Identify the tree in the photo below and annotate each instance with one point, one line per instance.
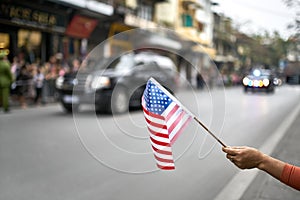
(296, 5)
(262, 49)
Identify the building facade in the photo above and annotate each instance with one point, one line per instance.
(38, 29)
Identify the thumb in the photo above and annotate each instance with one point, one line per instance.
(229, 150)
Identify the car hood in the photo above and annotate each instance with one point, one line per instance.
(111, 73)
(257, 77)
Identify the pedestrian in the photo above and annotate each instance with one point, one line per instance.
(22, 86)
(6, 79)
(75, 65)
(38, 80)
(200, 81)
(248, 158)
(50, 78)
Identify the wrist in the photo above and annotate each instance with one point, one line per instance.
(263, 162)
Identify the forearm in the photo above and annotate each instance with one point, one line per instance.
(248, 158)
(272, 166)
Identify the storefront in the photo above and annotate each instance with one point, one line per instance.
(36, 30)
(31, 31)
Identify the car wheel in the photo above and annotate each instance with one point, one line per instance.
(119, 101)
(70, 108)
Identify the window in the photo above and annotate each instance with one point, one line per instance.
(145, 12)
(4, 41)
(187, 20)
(26, 37)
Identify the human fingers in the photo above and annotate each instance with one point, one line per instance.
(230, 157)
(229, 150)
(238, 147)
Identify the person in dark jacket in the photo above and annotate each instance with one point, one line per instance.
(6, 79)
(22, 86)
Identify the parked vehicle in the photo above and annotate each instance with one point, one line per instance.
(259, 80)
(115, 85)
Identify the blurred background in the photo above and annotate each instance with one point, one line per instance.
(56, 47)
(236, 36)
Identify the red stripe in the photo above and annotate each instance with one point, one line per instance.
(170, 114)
(163, 159)
(159, 142)
(175, 123)
(166, 167)
(152, 114)
(180, 130)
(156, 124)
(161, 151)
(158, 134)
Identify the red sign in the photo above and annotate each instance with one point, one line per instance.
(81, 27)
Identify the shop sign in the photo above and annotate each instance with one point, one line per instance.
(31, 17)
(81, 27)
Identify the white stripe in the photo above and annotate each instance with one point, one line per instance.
(161, 139)
(168, 109)
(160, 147)
(163, 156)
(178, 126)
(154, 119)
(164, 164)
(156, 129)
(174, 117)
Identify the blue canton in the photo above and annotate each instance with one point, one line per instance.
(156, 100)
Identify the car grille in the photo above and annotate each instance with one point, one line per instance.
(77, 83)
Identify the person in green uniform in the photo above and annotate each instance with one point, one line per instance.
(6, 79)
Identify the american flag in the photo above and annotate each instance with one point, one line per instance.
(166, 118)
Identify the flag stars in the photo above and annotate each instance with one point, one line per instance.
(157, 100)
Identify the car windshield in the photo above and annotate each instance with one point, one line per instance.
(261, 73)
(123, 63)
(127, 61)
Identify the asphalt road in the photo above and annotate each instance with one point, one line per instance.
(46, 154)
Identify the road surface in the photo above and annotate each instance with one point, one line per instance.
(46, 154)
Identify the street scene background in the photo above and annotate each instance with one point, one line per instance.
(56, 142)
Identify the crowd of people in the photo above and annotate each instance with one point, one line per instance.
(34, 83)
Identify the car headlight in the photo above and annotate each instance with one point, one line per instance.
(59, 82)
(246, 81)
(266, 82)
(100, 82)
(256, 83)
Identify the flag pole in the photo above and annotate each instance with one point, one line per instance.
(213, 135)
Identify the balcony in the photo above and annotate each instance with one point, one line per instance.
(191, 4)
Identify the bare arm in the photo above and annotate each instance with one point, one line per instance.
(248, 158)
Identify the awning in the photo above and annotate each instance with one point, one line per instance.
(92, 5)
(81, 27)
(202, 49)
(192, 4)
(189, 33)
(225, 59)
(163, 42)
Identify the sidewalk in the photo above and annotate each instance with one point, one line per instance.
(265, 187)
(15, 104)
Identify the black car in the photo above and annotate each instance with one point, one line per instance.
(115, 85)
(259, 80)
